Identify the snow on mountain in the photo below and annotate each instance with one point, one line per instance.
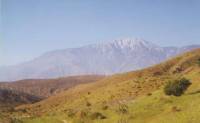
(105, 58)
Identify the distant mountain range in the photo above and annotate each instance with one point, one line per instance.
(106, 58)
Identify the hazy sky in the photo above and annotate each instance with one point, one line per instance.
(32, 27)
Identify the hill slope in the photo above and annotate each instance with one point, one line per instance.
(9, 99)
(46, 87)
(130, 97)
(30, 91)
(106, 58)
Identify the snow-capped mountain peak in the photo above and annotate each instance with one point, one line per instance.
(127, 43)
(132, 43)
(106, 58)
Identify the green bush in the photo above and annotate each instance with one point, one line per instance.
(177, 87)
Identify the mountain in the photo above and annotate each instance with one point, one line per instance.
(105, 58)
(126, 98)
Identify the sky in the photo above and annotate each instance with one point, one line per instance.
(29, 28)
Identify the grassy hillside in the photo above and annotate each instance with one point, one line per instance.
(46, 87)
(11, 98)
(134, 97)
(30, 91)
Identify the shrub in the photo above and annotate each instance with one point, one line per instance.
(97, 115)
(15, 121)
(175, 109)
(71, 113)
(123, 109)
(89, 93)
(177, 87)
(88, 104)
(105, 107)
(198, 61)
(123, 120)
(82, 114)
(149, 94)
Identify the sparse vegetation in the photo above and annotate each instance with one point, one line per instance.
(105, 107)
(123, 120)
(15, 121)
(175, 109)
(122, 109)
(97, 115)
(47, 87)
(149, 94)
(71, 113)
(177, 87)
(88, 104)
(82, 114)
(198, 62)
(89, 93)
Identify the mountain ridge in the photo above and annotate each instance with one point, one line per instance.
(104, 58)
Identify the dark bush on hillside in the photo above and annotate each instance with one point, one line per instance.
(177, 87)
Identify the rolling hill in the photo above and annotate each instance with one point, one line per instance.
(125, 98)
(14, 97)
(30, 91)
(9, 99)
(106, 58)
(44, 88)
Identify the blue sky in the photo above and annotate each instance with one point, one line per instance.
(32, 27)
